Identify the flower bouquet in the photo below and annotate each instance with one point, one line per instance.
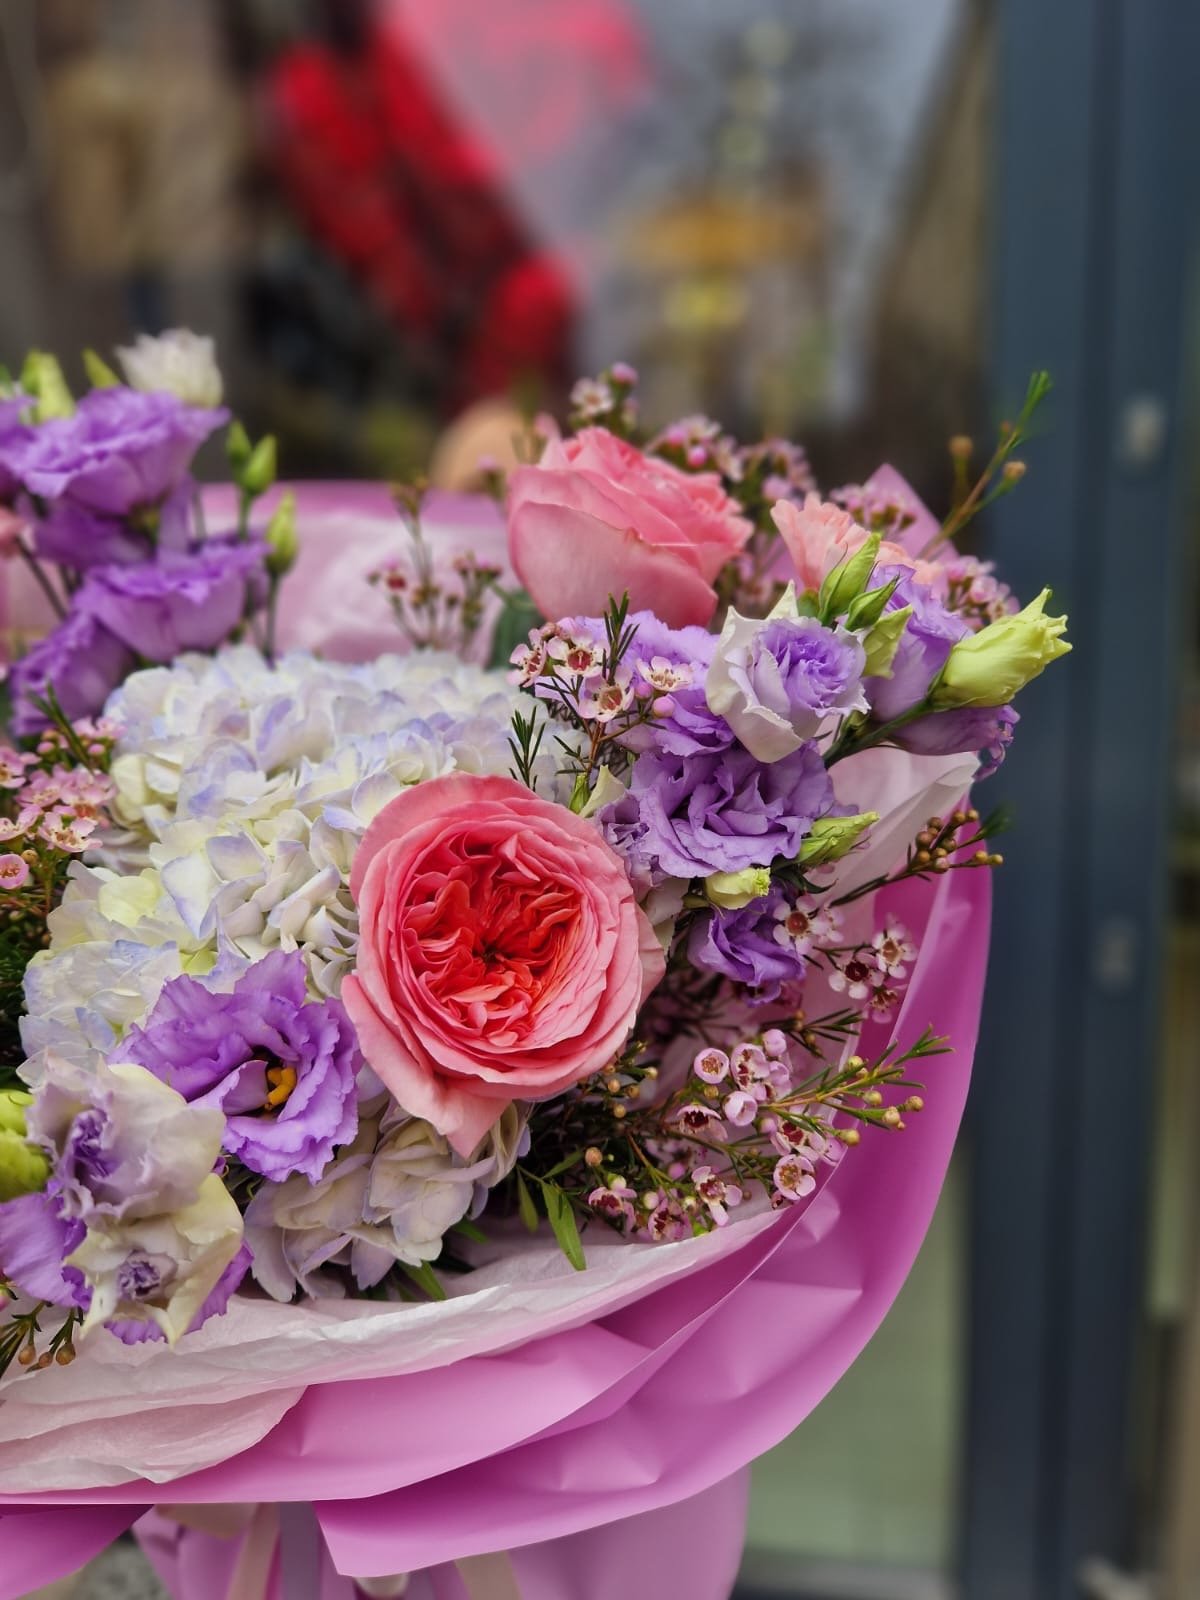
(461, 1095)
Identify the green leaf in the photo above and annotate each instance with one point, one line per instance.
(562, 1166)
(517, 619)
(469, 1230)
(566, 1229)
(425, 1278)
(526, 1206)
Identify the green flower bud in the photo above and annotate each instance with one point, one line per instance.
(866, 611)
(258, 474)
(42, 377)
(237, 446)
(12, 1110)
(848, 579)
(883, 641)
(23, 1168)
(830, 838)
(991, 666)
(100, 374)
(730, 891)
(283, 541)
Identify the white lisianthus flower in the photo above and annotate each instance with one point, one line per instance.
(161, 1269)
(177, 362)
(390, 1196)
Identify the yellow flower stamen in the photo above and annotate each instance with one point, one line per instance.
(282, 1081)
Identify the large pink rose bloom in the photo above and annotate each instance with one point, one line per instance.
(502, 954)
(597, 517)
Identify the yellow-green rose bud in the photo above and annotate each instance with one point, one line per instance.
(23, 1168)
(991, 666)
(730, 891)
(830, 838)
(283, 541)
(883, 641)
(42, 377)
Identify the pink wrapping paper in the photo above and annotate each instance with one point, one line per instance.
(655, 1403)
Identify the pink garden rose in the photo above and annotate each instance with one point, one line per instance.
(502, 954)
(597, 517)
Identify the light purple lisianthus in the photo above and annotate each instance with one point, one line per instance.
(775, 681)
(121, 451)
(688, 817)
(280, 1067)
(929, 636)
(183, 602)
(144, 1277)
(744, 945)
(987, 729)
(80, 659)
(35, 1240)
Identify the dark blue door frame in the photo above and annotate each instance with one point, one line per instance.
(1097, 212)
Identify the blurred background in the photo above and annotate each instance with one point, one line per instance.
(859, 223)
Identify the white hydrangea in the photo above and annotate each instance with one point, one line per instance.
(244, 790)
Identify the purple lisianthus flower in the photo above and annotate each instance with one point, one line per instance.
(688, 817)
(121, 451)
(987, 729)
(35, 1240)
(143, 1276)
(76, 536)
(280, 1067)
(744, 945)
(14, 437)
(80, 659)
(183, 602)
(777, 680)
(929, 635)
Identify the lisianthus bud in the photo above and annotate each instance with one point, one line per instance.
(283, 541)
(730, 891)
(883, 641)
(100, 374)
(830, 838)
(23, 1168)
(849, 579)
(989, 667)
(258, 474)
(42, 377)
(237, 446)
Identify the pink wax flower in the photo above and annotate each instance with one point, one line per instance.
(818, 535)
(502, 954)
(14, 872)
(597, 517)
